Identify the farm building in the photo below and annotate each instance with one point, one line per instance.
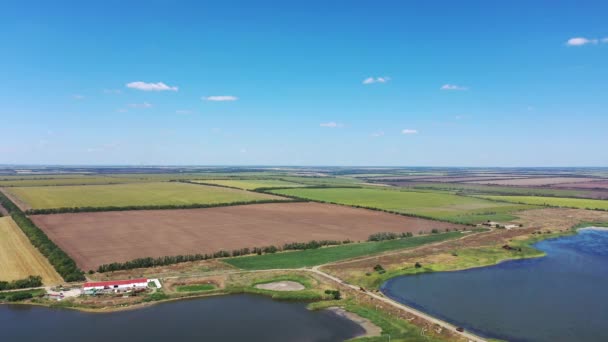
(117, 285)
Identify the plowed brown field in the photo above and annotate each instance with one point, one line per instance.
(99, 238)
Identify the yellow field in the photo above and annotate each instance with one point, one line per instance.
(19, 259)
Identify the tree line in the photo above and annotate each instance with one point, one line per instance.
(63, 264)
(176, 259)
(146, 207)
(31, 281)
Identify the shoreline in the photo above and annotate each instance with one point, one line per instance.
(604, 229)
(370, 329)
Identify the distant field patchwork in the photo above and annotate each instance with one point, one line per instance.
(439, 205)
(553, 201)
(92, 239)
(138, 194)
(19, 259)
(251, 184)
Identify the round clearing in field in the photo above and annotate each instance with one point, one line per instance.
(281, 286)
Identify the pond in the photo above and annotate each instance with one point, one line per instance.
(560, 297)
(226, 318)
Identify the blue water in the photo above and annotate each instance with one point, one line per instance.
(235, 318)
(560, 297)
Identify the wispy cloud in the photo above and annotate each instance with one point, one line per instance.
(140, 105)
(331, 124)
(580, 41)
(183, 111)
(112, 91)
(409, 131)
(453, 87)
(78, 97)
(160, 86)
(220, 98)
(372, 80)
(377, 134)
(121, 110)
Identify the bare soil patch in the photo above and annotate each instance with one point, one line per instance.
(286, 285)
(93, 239)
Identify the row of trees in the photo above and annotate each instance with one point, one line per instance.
(145, 207)
(176, 259)
(388, 236)
(31, 281)
(65, 266)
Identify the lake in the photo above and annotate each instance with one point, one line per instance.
(225, 318)
(560, 297)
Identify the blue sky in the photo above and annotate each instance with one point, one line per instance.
(525, 83)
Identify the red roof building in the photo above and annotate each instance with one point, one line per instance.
(116, 284)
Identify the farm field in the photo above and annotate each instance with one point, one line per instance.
(19, 259)
(602, 184)
(85, 180)
(120, 195)
(538, 181)
(553, 201)
(251, 184)
(92, 239)
(491, 189)
(437, 205)
(312, 257)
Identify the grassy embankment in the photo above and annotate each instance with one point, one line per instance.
(465, 258)
(139, 194)
(577, 203)
(312, 257)
(399, 330)
(436, 205)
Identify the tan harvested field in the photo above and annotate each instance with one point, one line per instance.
(532, 181)
(93, 239)
(602, 184)
(19, 259)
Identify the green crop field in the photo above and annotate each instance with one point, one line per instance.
(196, 288)
(493, 189)
(437, 205)
(137, 194)
(251, 184)
(85, 180)
(312, 257)
(553, 201)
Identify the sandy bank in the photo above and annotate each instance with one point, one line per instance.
(370, 328)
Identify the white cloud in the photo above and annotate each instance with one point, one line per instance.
(409, 131)
(220, 98)
(377, 134)
(77, 97)
(182, 111)
(331, 124)
(243, 150)
(140, 105)
(453, 87)
(160, 86)
(121, 110)
(372, 80)
(580, 41)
